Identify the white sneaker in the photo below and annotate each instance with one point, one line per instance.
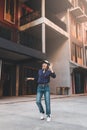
(48, 118)
(42, 116)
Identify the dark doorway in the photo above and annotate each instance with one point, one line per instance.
(27, 87)
(9, 79)
(79, 82)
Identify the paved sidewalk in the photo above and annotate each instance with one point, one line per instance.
(67, 114)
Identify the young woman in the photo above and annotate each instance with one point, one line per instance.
(43, 88)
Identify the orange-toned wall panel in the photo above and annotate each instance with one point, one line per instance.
(4, 22)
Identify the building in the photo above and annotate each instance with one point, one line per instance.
(78, 34)
(31, 31)
(17, 59)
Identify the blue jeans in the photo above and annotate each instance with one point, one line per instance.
(43, 90)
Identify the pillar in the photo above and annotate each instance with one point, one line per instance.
(17, 80)
(0, 79)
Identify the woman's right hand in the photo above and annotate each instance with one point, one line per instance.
(30, 78)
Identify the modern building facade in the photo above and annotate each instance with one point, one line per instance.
(31, 31)
(77, 31)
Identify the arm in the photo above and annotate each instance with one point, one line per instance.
(32, 78)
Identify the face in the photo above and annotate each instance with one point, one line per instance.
(44, 66)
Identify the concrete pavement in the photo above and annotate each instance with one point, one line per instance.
(67, 114)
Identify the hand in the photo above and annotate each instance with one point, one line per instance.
(30, 78)
(51, 67)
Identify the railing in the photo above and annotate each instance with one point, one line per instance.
(24, 39)
(30, 17)
(35, 15)
(30, 41)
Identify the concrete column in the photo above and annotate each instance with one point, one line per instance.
(69, 32)
(84, 56)
(43, 8)
(83, 40)
(19, 15)
(17, 80)
(0, 68)
(77, 3)
(0, 78)
(43, 28)
(43, 39)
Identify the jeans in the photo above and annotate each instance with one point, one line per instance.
(43, 90)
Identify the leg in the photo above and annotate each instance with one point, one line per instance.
(38, 100)
(47, 100)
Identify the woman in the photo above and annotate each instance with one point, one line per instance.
(44, 75)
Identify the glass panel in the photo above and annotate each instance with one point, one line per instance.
(5, 33)
(86, 56)
(79, 31)
(79, 53)
(85, 37)
(73, 55)
(73, 27)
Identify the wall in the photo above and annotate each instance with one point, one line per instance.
(60, 59)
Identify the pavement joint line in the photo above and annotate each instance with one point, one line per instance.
(34, 99)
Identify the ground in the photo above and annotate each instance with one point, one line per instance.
(68, 113)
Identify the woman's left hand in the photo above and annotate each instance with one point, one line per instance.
(51, 67)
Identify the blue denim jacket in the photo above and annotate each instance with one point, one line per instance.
(44, 78)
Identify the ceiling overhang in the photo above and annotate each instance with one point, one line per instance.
(58, 5)
(13, 51)
(77, 11)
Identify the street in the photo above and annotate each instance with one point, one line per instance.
(68, 113)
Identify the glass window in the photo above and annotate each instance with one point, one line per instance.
(79, 51)
(9, 12)
(73, 27)
(86, 56)
(85, 37)
(79, 54)
(73, 52)
(5, 33)
(76, 53)
(79, 32)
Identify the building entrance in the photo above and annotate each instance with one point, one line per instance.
(79, 82)
(27, 87)
(8, 79)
